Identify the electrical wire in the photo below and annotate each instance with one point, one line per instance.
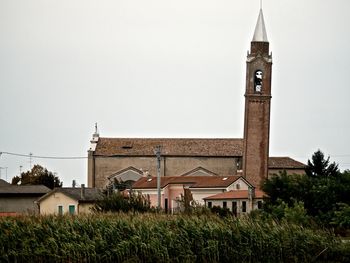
(44, 157)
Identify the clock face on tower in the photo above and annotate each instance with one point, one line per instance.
(258, 77)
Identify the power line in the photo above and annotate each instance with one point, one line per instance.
(44, 157)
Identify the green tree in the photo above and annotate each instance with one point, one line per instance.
(319, 191)
(319, 167)
(36, 176)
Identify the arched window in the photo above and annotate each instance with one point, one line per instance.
(258, 81)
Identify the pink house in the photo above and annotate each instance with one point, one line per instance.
(201, 187)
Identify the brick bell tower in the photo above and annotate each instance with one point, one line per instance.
(257, 106)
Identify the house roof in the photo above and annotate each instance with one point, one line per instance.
(91, 194)
(4, 183)
(170, 147)
(235, 194)
(24, 190)
(285, 163)
(192, 181)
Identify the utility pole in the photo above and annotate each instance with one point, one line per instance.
(30, 160)
(158, 154)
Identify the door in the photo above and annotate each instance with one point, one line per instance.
(72, 209)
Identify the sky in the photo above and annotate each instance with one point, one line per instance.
(164, 68)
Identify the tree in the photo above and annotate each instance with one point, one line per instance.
(38, 175)
(319, 191)
(320, 167)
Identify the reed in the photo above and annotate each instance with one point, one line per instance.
(163, 238)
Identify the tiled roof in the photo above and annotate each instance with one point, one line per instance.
(285, 163)
(24, 189)
(91, 194)
(170, 147)
(235, 194)
(192, 181)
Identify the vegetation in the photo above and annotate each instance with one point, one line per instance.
(124, 201)
(322, 195)
(163, 238)
(38, 175)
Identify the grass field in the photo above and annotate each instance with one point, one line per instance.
(163, 238)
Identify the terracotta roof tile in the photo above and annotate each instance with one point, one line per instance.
(192, 181)
(235, 194)
(285, 163)
(170, 147)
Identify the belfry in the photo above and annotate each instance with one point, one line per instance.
(257, 106)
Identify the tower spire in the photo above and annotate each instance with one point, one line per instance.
(260, 30)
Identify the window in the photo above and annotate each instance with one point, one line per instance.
(224, 204)
(209, 204)
(60, 210)
(72, 209)
(244, 206)
(238, 186)
(259, 204)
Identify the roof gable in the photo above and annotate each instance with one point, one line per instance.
(199, 171)
(130, 173)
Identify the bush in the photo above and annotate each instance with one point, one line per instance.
(123, 202)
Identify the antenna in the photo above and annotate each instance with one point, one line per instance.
(260, 4)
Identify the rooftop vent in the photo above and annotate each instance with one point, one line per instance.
(127, 145)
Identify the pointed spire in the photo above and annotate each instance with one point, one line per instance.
(260, 30)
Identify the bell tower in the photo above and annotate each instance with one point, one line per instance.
(257, 106)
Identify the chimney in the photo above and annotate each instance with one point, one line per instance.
(82, 192)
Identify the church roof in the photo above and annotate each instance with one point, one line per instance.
(170, 147)
(260, 30)
(192, 181)
(285, 163)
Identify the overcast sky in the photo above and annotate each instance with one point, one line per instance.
(163, 68)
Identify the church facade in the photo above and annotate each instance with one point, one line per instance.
(129, 159)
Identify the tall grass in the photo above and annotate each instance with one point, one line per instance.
(162, 238)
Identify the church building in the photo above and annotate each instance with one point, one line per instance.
(131, 159)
